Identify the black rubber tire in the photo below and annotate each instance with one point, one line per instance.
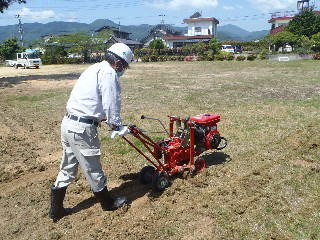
(200, 165)
(146, 174)
(224, 145)
(160, 181)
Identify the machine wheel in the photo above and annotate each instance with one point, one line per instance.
(200, 165)
(146, 174)
(37, 67)
(223, 144)
(160, 181)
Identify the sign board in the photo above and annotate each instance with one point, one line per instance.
(284, 59)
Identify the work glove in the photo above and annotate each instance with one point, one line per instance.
(120, 131)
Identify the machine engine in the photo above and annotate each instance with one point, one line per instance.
(206, 132)
(176, 149)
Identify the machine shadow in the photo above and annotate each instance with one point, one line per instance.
(216, 158)
(133, 189)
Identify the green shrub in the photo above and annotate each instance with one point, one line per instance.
(173, 58)
(251, 57)
(210, 57)
(180, 58)
(241, 58)
(230, 57)
(145, 59)
(201, 58)
(220, 57)
(153, 58)
(316, 56)
(263, 55)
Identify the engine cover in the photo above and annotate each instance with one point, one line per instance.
(206, 119)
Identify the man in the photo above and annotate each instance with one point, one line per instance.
(94, 98)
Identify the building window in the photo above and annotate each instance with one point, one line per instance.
(283, 24)
(198, 29)
(177, 44)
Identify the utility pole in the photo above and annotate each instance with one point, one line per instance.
(162, 18)
(20, 30)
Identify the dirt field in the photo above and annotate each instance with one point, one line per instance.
(265, 185)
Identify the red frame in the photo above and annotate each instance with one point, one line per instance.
(151, 145)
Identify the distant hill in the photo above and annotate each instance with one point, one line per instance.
(34, 31)
(232, 32)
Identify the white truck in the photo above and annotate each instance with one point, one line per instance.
(227, 48)
(26, 60)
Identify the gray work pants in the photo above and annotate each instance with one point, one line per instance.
(81, 146)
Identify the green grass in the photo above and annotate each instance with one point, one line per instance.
(268, 188)
(35, 98)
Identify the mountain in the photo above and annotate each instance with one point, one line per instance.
(34, 31)
(232, 32)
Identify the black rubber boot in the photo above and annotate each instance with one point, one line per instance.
(109, 203)
(57, 211)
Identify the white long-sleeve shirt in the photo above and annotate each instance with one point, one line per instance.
(96, 94)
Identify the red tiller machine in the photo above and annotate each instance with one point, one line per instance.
(176, 154)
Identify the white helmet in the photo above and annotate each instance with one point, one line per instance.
(122, 51)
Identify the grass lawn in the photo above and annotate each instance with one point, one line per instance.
(264, 185)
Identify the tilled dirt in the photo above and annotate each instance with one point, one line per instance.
(263, 186)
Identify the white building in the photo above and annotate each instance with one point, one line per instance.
(200, 29)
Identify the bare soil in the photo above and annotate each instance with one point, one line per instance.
(265, 185)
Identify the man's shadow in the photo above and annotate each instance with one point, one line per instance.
(133, 189)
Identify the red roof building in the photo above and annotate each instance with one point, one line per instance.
(278, 22)
(200, 29)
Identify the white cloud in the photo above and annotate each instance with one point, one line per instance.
(274, 4)
(175, 4)
(229, 8)
(36, 15)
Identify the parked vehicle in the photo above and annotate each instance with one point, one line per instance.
(26, 60)
(10, 63)
(237, 49)
(227, 48)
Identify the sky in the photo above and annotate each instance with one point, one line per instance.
(252, 15)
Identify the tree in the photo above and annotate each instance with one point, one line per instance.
(284, 38)
(316, 42)
(54, 54)
(99, 46)
(304, 44)
(77, 43)
(9, 48)
(199, 48)
(157, 44)
(214, 46)
(4, 4)
(305, 24)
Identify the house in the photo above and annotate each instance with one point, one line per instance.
(131, 43)
(200, 29)
(159, 32)
(120, 37)
(280, 20)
